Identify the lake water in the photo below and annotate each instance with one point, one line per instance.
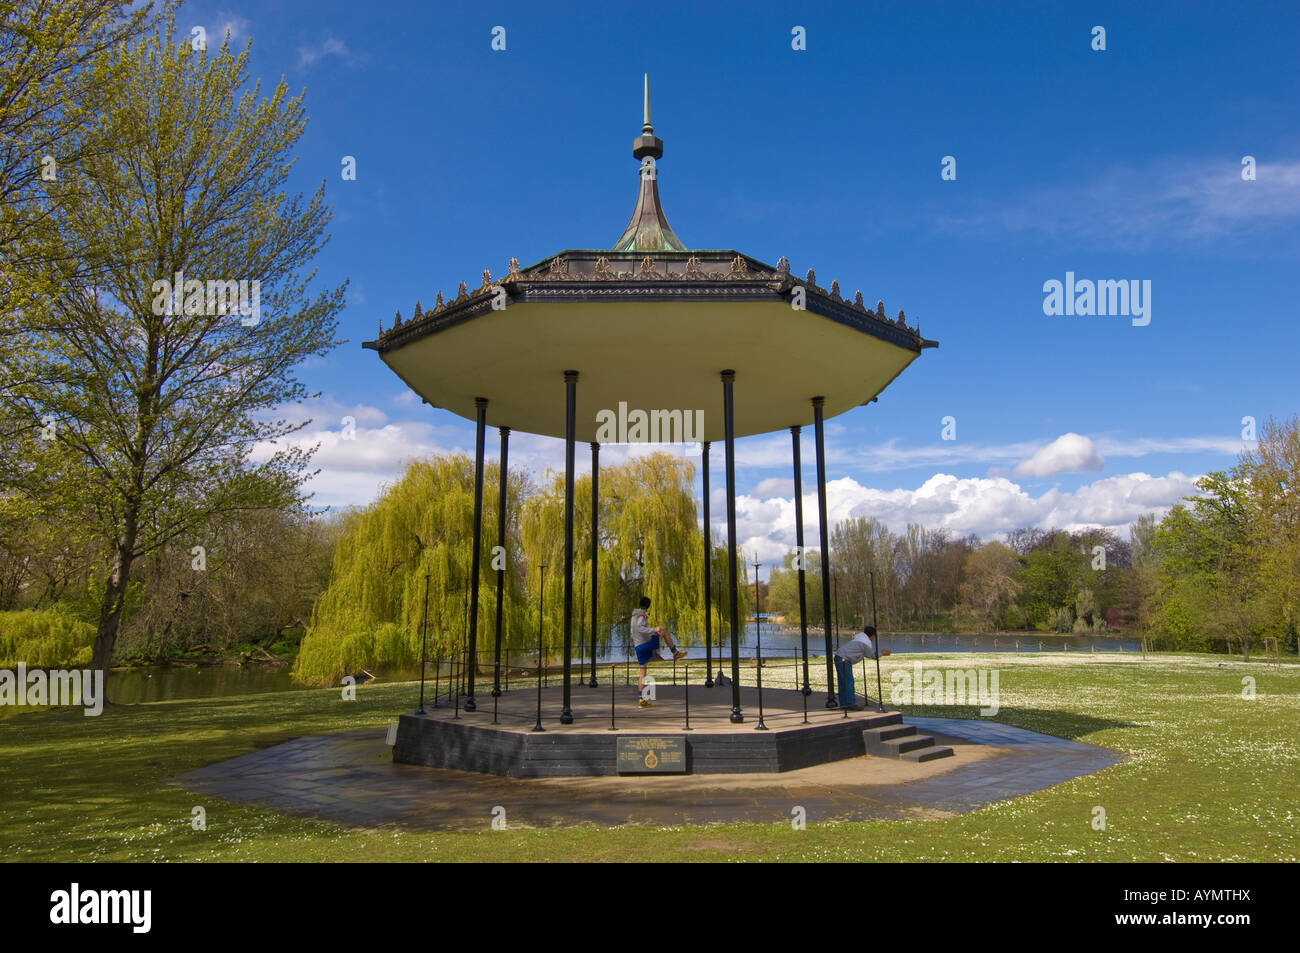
(164, 682)
(785, 643)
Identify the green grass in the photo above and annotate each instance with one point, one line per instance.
(1211, 777)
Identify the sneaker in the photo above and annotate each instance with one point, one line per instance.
(643, 703)
(678, 653)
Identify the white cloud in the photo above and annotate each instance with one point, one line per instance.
(773, 452)
(980, 505)
(1167, 202)
(352, 472)
(308, 55)
(1069, 452)
(230, 23)
(774, 486)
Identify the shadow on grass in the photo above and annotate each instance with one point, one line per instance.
(1060, 724)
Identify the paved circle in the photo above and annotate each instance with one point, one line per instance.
(349, 778)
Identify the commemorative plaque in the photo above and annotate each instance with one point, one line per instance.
(651, 755)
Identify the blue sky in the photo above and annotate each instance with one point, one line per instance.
(1117, 164)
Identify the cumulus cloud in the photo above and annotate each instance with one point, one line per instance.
(774, 486)
(357, 458)
(987, 507)
(1069, 452)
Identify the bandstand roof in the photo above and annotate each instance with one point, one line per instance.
(651, 325)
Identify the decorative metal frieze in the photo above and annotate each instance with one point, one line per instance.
(695, 270)
(611, 276)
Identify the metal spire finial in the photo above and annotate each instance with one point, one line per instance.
(647, 144)
(648, 230)
(646, 128)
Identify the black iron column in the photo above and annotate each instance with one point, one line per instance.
(803, 556)
(708, 563)
(480, 405)
(729, 423)
(817, 403)
(570, 425)
(501, 556)
(595, 549)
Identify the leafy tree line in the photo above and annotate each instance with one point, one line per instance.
(247, 580)
(1222, 569)
(927, 580)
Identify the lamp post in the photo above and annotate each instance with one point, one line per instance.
(880, 694)
(501, 565)
(424, 640)
(801, 560)
(595, 552)
(708, 586)
(819, 404)
(541, 614)
(471, 659)
(835, 584)
(733, 586)
(571, 398)
(758, 651)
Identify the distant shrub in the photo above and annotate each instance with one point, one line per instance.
(1062, 620)
(44, 638)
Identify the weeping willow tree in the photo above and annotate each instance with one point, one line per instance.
(370, 613)
(650, 543)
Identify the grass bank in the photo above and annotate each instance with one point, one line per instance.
(1210, 777)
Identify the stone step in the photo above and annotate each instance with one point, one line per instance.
(928, 754)
(912, 743)
(878, 720)
(889, 732)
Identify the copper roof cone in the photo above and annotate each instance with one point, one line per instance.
(649, 229)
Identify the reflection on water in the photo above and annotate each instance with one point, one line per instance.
(154, 683)
(784, 643)
(163, 682)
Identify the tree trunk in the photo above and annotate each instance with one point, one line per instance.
(110, 613)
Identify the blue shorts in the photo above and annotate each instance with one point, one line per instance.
(646, 649)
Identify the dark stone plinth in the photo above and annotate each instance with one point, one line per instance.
(588, 748)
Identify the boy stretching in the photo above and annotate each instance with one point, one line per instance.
(646, 641)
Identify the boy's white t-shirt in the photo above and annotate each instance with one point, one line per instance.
(857, 648)
(641, 628)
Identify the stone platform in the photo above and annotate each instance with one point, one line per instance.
(349, 778)
(445, 737)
